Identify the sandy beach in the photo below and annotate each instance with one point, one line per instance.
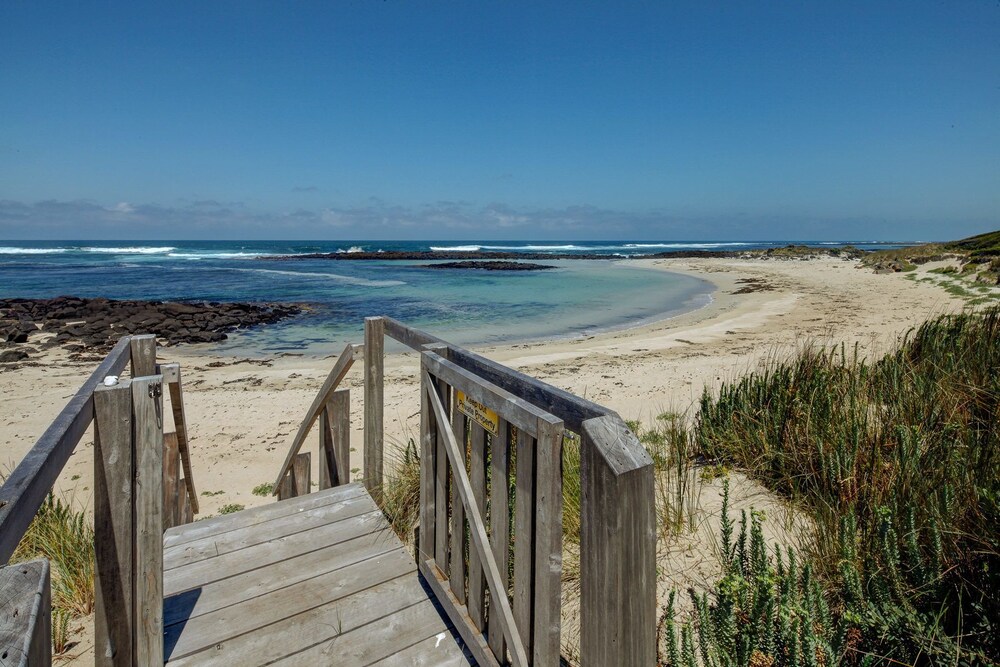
(243, 413)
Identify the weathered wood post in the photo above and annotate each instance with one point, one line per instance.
(113, 529)
(147, 406)
(143, 350)
(26, 614)
(617, 547)
(335, 441)
(374, 370)
(297, 481)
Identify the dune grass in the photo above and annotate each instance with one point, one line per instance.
(65, 536)
(898, 462)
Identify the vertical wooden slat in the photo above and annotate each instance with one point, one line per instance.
(617, 546)
(374, 372)
(143, 350)
(340, 408)
(302, 474)
(456, 575)
(428, 446)
(335, 440)
(185, 513)
(286, 489)
(499, 531)
(147, 405)
(524, 537)
(327, 453)
(113, 539)
(548, 542)
(171, 479)
(477, 477)
(441, 488)
(180, 424)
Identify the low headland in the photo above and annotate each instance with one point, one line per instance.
(825, 435)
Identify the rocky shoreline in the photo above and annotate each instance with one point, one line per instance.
(96, 324)
(784, 252)
(492, 265)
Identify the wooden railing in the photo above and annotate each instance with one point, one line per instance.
(332, 408)
(460, 545)
(490, 440)
(137, 495)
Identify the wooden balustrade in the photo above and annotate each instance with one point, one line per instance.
(468, 451)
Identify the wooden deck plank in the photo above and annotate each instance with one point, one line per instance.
(304, 630)
(251, 616)
(257, 515)
(249, 585)
(249, 536)
(263, 555)
(380, 639)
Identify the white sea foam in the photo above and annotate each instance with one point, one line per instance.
(683, 245)
(131, 250)
(457, 248)
(7, 250)
(347, 280)
(351, 250)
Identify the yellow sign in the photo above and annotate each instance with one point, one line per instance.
(479, 412)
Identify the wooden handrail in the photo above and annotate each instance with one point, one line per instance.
(25, 489)
(333, 380)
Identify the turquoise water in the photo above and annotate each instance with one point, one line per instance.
(464, 306)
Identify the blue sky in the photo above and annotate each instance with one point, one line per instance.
(506, 120)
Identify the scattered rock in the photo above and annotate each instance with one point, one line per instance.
(10, 356)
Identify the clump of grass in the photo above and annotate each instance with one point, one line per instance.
(899, 463)
(65, 537)
(231, 508)
(400, 498)
(263, 490)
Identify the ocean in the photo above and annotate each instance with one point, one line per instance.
(464, 306)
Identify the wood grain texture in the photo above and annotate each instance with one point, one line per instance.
(428, 470)
(441, 500)
(302, 474)
(524, 536)
(176, 390)
(335, 441)
(477, 478)
(548, 542)
(617, 547)
(373, 431)
(456, 564)
(25, 615)
(143, 355)
(29, 483)
(113, 526)
(171, 481)
(147, 425)
(499, 528)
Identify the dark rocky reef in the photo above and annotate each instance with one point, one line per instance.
(492, 265)
(81, 324)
